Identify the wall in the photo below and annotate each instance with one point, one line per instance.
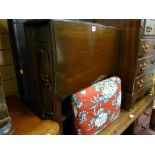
(6, 61)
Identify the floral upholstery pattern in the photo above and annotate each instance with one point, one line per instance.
(97, 106)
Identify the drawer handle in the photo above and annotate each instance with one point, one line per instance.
(148, 29)
(143, 66)
(145, 47)
(140, 83)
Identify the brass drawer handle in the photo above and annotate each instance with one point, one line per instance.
(140, 83)
(148, 29)
(143, 66)
(145, 47)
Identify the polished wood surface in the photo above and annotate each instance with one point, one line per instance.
(83, 54)
(126, 118)
(66, 56)
(109, 22)
(136, 58)
(26, 122)
(128, 53)
(80, 52)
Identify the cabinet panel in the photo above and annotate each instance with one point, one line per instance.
(84, 52)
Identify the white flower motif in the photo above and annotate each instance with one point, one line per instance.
(79, 131)
(82, 117)
(83, 92)
(101, 119)
(113, 116)
(114, 102)
(109, 89)
(119, 98)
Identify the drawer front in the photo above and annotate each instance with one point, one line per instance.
(147, 46)
(141, 128)
(145, 64)
(142, 123)
(141, 81)
(149, 27)
(147, 115)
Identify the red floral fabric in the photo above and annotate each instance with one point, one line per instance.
(97, 106)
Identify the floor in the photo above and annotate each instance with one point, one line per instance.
(26, 122)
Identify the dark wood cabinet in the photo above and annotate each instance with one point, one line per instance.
(75, 54)
(66, 56)
(136, 59)
(59, 57)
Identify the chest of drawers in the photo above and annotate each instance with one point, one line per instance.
(137, 59)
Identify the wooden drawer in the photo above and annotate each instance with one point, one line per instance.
(145, 64)
(142, 123)
(147, 46)
(139, 129)
(149, 27)
(141, 81)
(147, 114)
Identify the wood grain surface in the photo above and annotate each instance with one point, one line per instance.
(125, 120)
(26, 122)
